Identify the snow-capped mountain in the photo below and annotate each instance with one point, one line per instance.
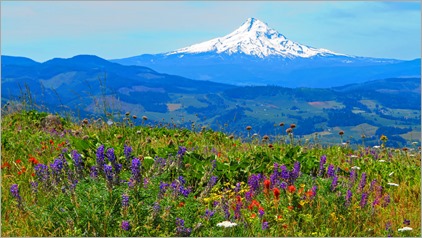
(255, 38)
(255, 54)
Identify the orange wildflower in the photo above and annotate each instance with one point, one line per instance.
(18, 161)
(181, 204)
(290, 207)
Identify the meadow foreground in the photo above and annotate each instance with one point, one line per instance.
(94, 178)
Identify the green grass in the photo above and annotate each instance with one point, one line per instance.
(92, 206)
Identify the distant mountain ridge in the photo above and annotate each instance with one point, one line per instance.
(89, 86)
(255, 54)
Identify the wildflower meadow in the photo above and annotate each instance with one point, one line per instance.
(97, 177)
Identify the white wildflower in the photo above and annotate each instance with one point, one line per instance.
(381, 160)
(393, 184)
(390, 173)
(406, 228)
(356, 167)
(226, 224)
(353, 156)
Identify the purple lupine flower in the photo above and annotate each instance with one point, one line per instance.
(182, 180)
(237, 213)
(73, 184)
(264, 225)
(314, 190)
(182, 151)
(261, 213)
(387, 200)
(322, 162)
(248, 195)
(276, 167)
(379, 191)
(34, 186)
(180, 228)
(283, 185)
(215, 203)
(362, 182)
(253, 182)
(274, 179)
(363, 199)
(209, 213)
(284, 172)
(156, 208)
(406, 222)
(77, 159)
(334, 183)
(117, 167)
(352, 177)
(295, 171)
(126, 225)
(56, 168)
(108, 171)
(160, 161)
(41, 171)
(330, 170)
(371, 187)
(348, 197)
(100, 156)
(57, 165)
(214, 164)
(163, 187)
(225, 206)
(213, 181)
(110, 155)
(125, 200)
(237, 188)
(136, 170)
(128, 152)
(14, 189)
(376, 202)
(94, 172)
(184, 191)
(131, 183)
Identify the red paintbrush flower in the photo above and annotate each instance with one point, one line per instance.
(276, 192)
(5, 165)
(267, 184)
(291, 188)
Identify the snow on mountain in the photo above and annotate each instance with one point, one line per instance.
(255, 38)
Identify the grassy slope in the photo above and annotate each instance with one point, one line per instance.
(23, 137)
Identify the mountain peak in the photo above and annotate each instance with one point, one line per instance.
(255, 38)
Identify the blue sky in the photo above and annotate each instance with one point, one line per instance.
(115, 29)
